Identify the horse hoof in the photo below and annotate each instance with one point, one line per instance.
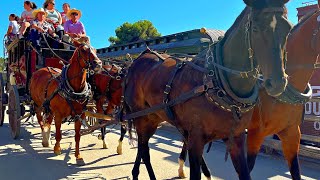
(57, 153)
(105, 146)
(181, 173)
(80, 162)
(119, 150)
(45, 144)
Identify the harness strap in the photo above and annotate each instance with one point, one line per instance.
(197, 91)
(304, 66)
(168, 88)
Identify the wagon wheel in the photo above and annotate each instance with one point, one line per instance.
(14, 111)
(3, 100)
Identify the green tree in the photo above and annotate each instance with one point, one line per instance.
(2, 64)
(128, 32)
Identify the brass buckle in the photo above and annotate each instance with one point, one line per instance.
(250, 51)
(244, 74)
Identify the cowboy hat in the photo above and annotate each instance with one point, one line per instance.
(35, 12)
(73, 11)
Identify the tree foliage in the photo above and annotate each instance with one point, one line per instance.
(128, 32)
(2, 64)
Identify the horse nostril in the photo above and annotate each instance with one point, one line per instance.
(275, 87)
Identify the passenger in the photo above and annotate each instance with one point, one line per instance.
(66, 8)
(54, 17)
(13, 28)
(26, 17)
(74, 29)
(39, 26)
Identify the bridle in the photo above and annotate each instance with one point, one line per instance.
(87, 61)
(315, 37)
(254, 70)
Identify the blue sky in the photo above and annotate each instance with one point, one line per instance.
(102, 17)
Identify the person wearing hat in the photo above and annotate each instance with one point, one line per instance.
(40, 25)
(73, 28)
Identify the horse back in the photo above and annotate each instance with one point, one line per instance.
(43, 82)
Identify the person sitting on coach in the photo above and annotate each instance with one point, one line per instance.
(13, 28)
(53, 17)
(74, 29)
(40, 26)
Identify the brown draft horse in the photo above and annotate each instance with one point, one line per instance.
(106, 86)
(199, 120)
(274, 117)
(61, 95)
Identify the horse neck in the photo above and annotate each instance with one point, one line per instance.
(235, 56)
(76, 76)
(116, 92)
(102, 82)
(301, 52)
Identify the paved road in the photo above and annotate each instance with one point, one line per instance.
(25, 158)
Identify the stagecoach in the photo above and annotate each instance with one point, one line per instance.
(22, 59)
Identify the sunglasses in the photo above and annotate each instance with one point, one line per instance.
(52, 3)
(75, 14)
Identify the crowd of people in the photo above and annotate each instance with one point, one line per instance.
(35, 24)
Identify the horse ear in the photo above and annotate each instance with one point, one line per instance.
(76, 43)
(285, 1)
(249, 2)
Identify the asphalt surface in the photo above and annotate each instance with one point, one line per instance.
(26, 159)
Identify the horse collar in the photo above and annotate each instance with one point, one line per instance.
(67, 90)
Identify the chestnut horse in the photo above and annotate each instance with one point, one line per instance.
(255, 41)
(106, 86)
(63, 95)
(272, 116)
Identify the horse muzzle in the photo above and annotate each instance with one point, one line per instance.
(97, 65)
(275, 87)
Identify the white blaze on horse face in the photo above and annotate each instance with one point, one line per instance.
(273, 23)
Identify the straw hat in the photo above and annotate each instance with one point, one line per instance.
(35, 12)
(73, 11)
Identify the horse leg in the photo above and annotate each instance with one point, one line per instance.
(103, 135)
(290, 139)
(123, 131)
(205, 169)
(144, 134)
(239, 160)
(254, 142)
(57, 122)
(77, 127)
(182, 160)
(45, 129)
(195, 150)
(99, 106)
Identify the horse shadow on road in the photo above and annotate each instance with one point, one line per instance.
(25, 158)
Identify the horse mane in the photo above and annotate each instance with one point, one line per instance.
(303, 20)
(236, 23)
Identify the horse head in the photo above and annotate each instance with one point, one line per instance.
(268, 30)
(87, 57)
